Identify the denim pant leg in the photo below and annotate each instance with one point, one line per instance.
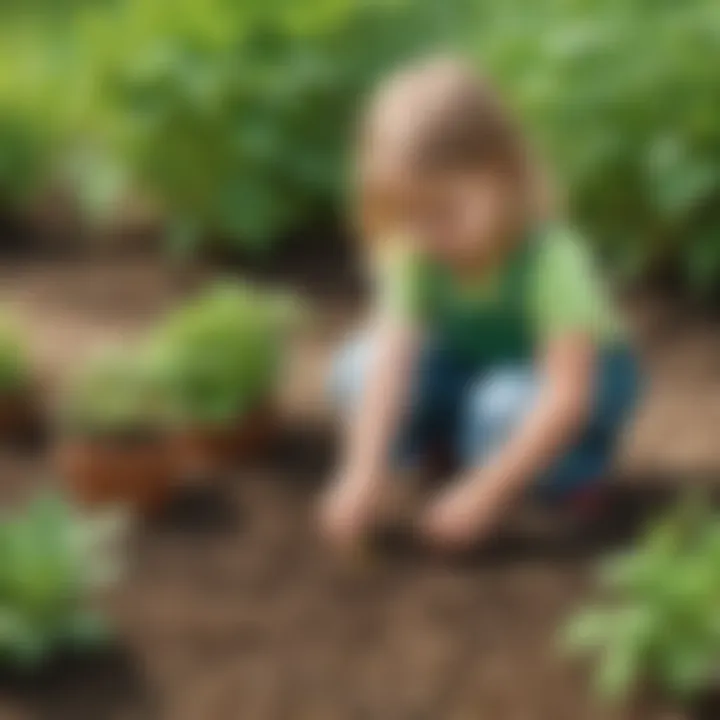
(500, 399)
(432, 411)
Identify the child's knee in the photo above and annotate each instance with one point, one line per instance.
(501, 399)
(348, 371)
(495, 407)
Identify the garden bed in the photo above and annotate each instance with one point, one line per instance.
(235, 610)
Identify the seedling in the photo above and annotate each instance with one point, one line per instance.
(53, 563)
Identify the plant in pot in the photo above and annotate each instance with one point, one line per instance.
(113, 446)
(19, 409)
(220, 356)
(658, 631)
(54, 563)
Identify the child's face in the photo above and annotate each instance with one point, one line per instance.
(458, 218)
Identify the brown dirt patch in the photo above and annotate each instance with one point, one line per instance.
(234, 609)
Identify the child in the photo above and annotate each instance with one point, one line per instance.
(490, 333)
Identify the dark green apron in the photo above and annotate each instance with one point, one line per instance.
(480, 331)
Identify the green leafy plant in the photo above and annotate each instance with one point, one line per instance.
(53, 564)
(234, 115)
(660, 624)
(233, 119)
(117, 393)
(219, 355)
(629, 131)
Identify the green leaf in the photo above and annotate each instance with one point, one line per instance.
(587, 630)
(220, 354)
(184, 238)
(702, 262)
(688, 669)
(21, 643)
(660, 621)
(51, 558)
(618, 673)
(86, 631)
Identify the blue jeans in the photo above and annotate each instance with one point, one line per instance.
(475, 412)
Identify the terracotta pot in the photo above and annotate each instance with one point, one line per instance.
(138, 473)
(202, 450)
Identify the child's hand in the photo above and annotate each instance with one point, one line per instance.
(458, 517)
(347, 510)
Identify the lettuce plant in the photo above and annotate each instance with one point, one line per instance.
(219, 355)
(53, 562)
(115, 394)
(660, 624)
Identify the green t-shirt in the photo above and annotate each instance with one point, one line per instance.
(548, 286)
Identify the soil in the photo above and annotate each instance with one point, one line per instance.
(233, 608)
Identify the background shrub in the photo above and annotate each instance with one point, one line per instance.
(234, 117)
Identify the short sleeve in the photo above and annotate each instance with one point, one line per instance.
(569, 293)
(400, 280)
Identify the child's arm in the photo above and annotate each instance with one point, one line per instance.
(475, 502)
(352, 498)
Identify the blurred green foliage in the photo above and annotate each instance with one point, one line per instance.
(210, 361)
(219, 355)
(235, 117)
(115, 394)
(659, 626)
(623, 96)
(53, 563)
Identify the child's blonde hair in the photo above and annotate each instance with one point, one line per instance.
(440, 115)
